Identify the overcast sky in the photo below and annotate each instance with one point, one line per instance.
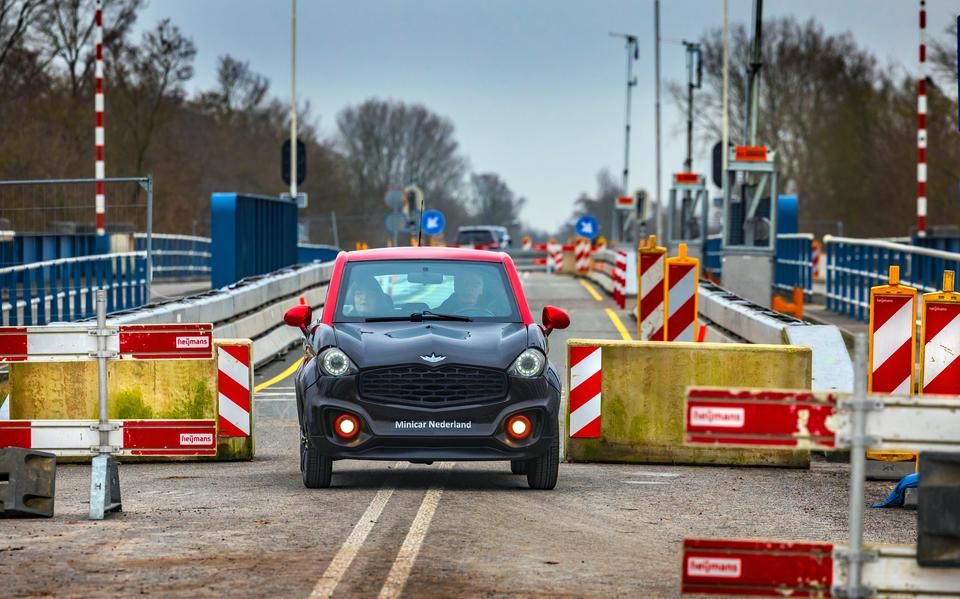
(534, 87)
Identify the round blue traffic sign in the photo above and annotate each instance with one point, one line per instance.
(588, 227)
(433, 222)
(394, 222)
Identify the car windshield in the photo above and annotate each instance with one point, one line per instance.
(427, 289)
(475, 236)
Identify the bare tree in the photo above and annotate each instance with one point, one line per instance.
(240, 90)
(66, 27)
(150, 80)
(15, 23)
(494, 202)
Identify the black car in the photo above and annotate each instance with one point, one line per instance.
(427, 354)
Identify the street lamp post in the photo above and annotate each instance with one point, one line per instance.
(633, 52)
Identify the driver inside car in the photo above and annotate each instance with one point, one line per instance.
(467, 289)
(368, 298)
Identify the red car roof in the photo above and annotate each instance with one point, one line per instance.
(426, 253)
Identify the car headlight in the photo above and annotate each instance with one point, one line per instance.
(529, 363)
(333, 362)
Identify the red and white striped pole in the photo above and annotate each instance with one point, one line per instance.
(922, 127)
(98, 132)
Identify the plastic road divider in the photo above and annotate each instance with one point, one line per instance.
(940, 332)
(682, 281)
(892, 354)
(651, 291)
(643, 386)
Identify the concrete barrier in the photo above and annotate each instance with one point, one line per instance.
(642, 390)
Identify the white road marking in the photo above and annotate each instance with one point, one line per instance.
(400, 572)
(662, 474)
(341, 561)
(645, 482)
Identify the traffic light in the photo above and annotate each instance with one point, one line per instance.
(301, 162)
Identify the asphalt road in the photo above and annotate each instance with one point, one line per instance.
(392, 529)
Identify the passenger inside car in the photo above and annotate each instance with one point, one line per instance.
(367, 298)
(467, 291)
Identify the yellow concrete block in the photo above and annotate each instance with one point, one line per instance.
(643, 388)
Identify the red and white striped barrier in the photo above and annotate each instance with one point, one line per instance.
(940, 331)
(78, 438)
(68, 343)
(681, 281)
(234, 385)
(526, 244)
(620, 279)
(582, 251)
(652, 263)
(816, 256)
(99, 157)
(586, 378)
(554, 257)
(893, 312)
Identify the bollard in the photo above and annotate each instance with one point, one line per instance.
(940, 332)
(651, 291)
(893, 331)
(104, 475)
(682, 278)
(27, 483)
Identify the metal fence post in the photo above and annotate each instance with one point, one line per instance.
(149, 187)
(104, 476)
(859, 407)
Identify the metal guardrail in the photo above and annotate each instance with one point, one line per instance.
(528, 260)
(180, 257)
(62, 290)
(855, 265)
(794, 266)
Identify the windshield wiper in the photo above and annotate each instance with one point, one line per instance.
(420, 317)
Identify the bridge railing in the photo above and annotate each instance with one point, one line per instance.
(855, 265)
(62, 290)
(179, 257)
(713, 257)
(794, 266)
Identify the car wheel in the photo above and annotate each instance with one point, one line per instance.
(518, 466)
(542, 471)
(316, 468)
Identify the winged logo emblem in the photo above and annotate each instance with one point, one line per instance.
(433, 358)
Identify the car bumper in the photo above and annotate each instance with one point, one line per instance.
(393, 431)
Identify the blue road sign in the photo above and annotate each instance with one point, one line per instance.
(588, 227)
(433, 222)
(394, 222)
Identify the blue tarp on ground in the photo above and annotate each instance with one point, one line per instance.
(899, 492)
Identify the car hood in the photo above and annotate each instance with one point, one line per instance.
(488, 344)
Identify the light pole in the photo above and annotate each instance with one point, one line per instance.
(633, 52)
(656, 46)
(293, 100)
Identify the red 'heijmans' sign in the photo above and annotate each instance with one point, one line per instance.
(742, 567)
(765, 418)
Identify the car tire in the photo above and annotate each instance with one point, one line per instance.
(542, 471)
(518, 466)
(317, 469)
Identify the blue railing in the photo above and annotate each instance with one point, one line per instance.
(309, 252)
(179, 257)
(713, 256)
(61, 290)
(794, 265)
(855, 265)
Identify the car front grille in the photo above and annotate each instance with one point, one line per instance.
(425, 386)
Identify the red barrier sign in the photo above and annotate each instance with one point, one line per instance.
(166, 341)
(751, 154)
(75, 342)
(686, 178)
(760, 418)
(774, 568)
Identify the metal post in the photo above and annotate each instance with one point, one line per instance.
(333, 224)
(753, 85)
(656, 45)
(857, 466)
(104, 476)
(632, 49)
(725, 125)
(293, 101)
(149, 186)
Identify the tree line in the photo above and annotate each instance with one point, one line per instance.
(226, 138)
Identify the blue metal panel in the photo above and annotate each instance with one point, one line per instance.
(787, 214)
(307, 253)
(251, 235)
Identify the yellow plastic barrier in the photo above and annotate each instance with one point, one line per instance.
(642, 389)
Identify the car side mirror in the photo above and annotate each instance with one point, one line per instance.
(554, 318)
(299, 316)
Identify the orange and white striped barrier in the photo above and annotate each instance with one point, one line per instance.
(651, 293)
(940, 331)
(816, 256)
(526, 243)
(585, 384)
(234, 384)
(582, 251)
(682, 278)
(893, 312)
